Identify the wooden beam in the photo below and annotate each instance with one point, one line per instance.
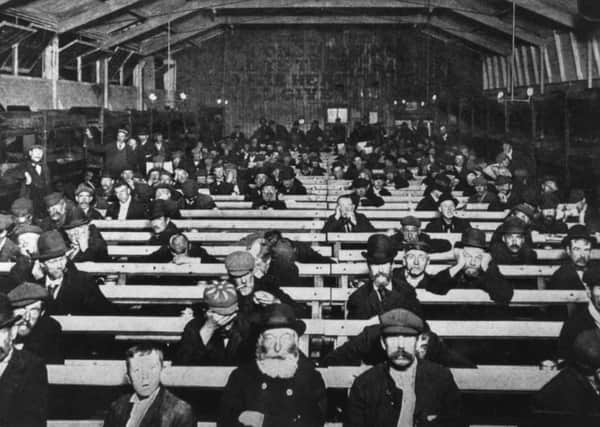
(94, 13)
(596, 51)
(546, 65)
(548, 11)
(576, 56)
(460, 31)
(535, 64)
(559, 54)
(525, 65)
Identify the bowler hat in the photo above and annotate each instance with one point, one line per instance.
(7, 318)
(472, 237)
(51, 245)
(578, 231)
(282, 316)
(441, 183)
(513, 225)
(447, 196)
(221, 298)
(75, 217)
(239, 263)
(380, 249)
(400, 321)
(27, 293)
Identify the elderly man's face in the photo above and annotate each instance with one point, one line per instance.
(260, 179)
(473, 259)
(57, 211)
(28, 243)
(84, 200)
(269, 193)
(244, 284)
(346, 207)
(159, 224)
(380, 271)
(416, 261)
(30, 314)
(144, 373)
(107, 184)
(79, 234)
(580, 252)
(447, 209)
(7, 336)
(55, 267)
(277, 352)
(400, 350)
(513, 241)
(123, 192)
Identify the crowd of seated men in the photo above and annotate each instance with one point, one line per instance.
(248, 321)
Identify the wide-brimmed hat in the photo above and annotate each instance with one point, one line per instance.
(282, 316)
(51, 245)
(578, 231)
(75, 217)
(7, 318)
(380, 249)
(472, 237)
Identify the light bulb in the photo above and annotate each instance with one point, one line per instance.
(530, 92)
(422, 103)
(152, 97)
(182, 96)
(434, 97)
(500, 95)
(219, 100)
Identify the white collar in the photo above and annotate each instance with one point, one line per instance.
(136, 399)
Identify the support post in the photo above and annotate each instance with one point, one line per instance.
(79, 71)
(567, 141)
(50, 68)
(15, 59)
(106, 82)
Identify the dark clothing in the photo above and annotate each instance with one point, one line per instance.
(167, 410)
(97, 250)
(41, 185)
(164, 236)
(375, 401)
(566, 277)
(203, 201)
(93, 214)
(486, 197)
(580, 321)
(136, 210)
(24, 391)
(456, 225)
(299, 401)
(115, 160)
(566, 400)
(44, 340)
(221, 188)
(9, 252)
(502, 255)
(552, 227)
(342, 225)
(296, 189)
(371, 199)
(260, 203)
(427, 203)
(513, 200)
(240, 348)
(435, 245)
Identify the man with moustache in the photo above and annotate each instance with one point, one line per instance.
(281, 387)
(403, 390)
(87, 243)
(410, 231)
(57, 207)
(513, 248)
(578, 246)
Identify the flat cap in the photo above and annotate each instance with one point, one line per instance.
(26, 228)
(27, 293)
(83, 188)
(410, 220)
(513, 225)
(21, 207)
(52, 199)
(221, 298)
(400, 321)
(525, 208)
(239, 263)
(480, 180)
(503, 180)
(6, 221)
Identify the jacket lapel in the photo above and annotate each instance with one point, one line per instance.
(153, 417)
(373, 299)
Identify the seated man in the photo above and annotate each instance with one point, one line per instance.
(150, 404)
(549, 224)
(571, 397)
(364, 193)
(162, 226)
(180, 251)
(513, 249)
(24, 379)
(193, 199)
(105, 194)
(289, 184)
(506, 197)
(447, 222)
(578, 245)
(37, 332)
(26, 267)
(57, 207)
(8, 249)
(22, 211)
(267, 197)
(281, 387)
(169, 198)
(346, 219)
(218, 335)
(584, 318)
(411, 232)
(403, 390)
(474, 269)
(86, 241)
(126, 207)
(220, 186)
(379, 186)
(84, 196)
(270, 266)
(482, 192)
(431, 199)
(379, 294)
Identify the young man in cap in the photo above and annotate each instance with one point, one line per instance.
(380, 293)
(289, 184)
(403, 390)
(364, 193)
(346, 219)
(410, 231)
(86, 240)
(578, 246)
(37, 180)
(447, 222)
(37, 332)
(219, 335)
(587, 317)
(267, 198)
(23, 377)
(220, 185)
(126, 207)
(117, 156)
(571, 398)
(8, 249)
(482, 192)
(84, 196)
(281, 387)
(150, 404)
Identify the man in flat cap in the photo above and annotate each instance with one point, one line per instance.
(289, 184)
(482, 192)
(86, 240)
(578, 245)
(447, 222)
(346, 219)
(403, 390)
(37, 332)
(23, 377)
(126, 206)
(506, 197)
(8, 249)
(218, 335)
(84, 196)
(281, 387)
(410, 231)
(193, 199)
(22, 211)
(571, 398)
(57, 207)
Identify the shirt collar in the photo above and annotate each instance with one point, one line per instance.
(135, 398)
(51, 283)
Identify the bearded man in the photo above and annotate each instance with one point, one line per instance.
(281, 387)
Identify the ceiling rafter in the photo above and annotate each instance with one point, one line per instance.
(551, 12)
(93, 14)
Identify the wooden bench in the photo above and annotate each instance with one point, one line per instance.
(208, 237)
(99, 423)
(216, 251)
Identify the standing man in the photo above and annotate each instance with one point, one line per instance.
(403, 391)
(281, 387)
(118, 156)
(23, 377)
(150, 404)
(38, 181)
